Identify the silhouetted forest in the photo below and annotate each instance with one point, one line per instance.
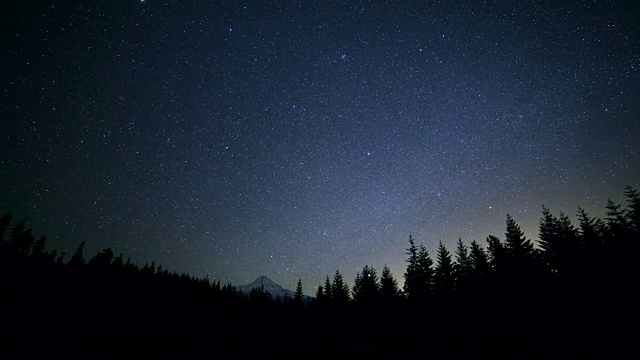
(570, 294)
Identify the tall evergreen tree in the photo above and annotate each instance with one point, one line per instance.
(632, 242)
(621, 246)
(328, 294)
(77, 260)
(21, 238)
(633, 208)
(366, 289)
(411, 276)
(518, 246)
(427, 272)
(559, 243)
(498, 259)
(339, 289)
(462, 266)
(480, 268)
(320, 294)
(444, 273)
(592, 231)
(299, 296)
(616, 217)
(546, 229)
(522, 266)
(479, 259)
(497, 253)
(549, 239)
(618, 232)
(389, 290)
(419, 275)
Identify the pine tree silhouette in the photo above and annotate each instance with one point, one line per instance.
(444, 278)
(77, 260)
(389, 291)
(479, 260)
(559, 243)
(499, 263)
(462, 266)
(418, 285)
(426, 271)
(339, 289)
(592, 233)
(550, 241)
(518, 247)
(320, 294)
(411, 280)
(480, 269)
(632, 241)
(521, 258)
(328, 294)
(366, 289)
(21, 238)
(299, 296)
(633, 209)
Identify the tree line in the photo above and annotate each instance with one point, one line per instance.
(574, 278)
(598, 253)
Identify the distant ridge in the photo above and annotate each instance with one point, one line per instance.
(269, 286)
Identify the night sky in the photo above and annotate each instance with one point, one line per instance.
(292, 139)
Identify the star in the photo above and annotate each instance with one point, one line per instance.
(205, 151)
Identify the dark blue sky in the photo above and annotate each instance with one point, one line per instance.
(294, 138)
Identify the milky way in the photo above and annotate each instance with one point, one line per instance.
(292, 139)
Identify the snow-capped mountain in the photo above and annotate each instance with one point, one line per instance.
(269, 286)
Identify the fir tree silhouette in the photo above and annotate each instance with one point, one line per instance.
(444, 278)
(559, 243)
(299, 295)
(21, 238)
(480, 266)
(418, 285)
(320, 294)
(462, 267)
(77, 260)
(389, 291)
(328, 294)
(366, 289)
(339, 289)
(633, 209)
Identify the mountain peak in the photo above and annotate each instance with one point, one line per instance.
(263, 280)
(268, 285)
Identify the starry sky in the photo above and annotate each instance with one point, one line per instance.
(293, 138)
